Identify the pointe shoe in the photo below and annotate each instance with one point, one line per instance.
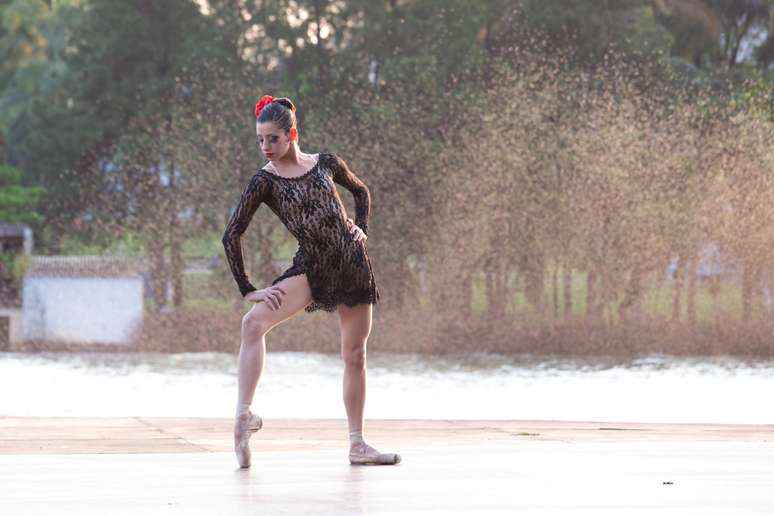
(364, 454)
(245, 426)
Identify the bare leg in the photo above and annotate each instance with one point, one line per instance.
(355, 325)
(355, 328)
(255, 325)
(251, 355)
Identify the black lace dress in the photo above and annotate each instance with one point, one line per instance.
(337, 267)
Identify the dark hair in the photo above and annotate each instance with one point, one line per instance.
(281, 111)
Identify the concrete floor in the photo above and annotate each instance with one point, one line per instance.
(186, 466)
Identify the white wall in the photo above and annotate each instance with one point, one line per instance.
(81, 309)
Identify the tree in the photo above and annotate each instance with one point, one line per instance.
(713, 31)
(18, 202)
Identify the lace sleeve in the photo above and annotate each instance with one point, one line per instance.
(346, 178)
(254, 193)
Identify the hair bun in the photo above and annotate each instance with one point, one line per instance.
(279, 110)
(286, 102)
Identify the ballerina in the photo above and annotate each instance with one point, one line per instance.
(331, 270)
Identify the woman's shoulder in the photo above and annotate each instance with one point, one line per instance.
(332, 158)
(260, 177)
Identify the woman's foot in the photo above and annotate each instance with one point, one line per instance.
(245, 426)
(362, 453)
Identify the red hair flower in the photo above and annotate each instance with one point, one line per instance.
(266, 99)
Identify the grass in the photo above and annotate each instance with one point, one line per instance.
(197, 293)
(725, 302)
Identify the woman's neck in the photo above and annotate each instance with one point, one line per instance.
(293, 157)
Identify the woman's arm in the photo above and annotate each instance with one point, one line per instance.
(346, 178)
(254, 193)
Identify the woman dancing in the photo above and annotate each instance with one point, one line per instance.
(331, 270)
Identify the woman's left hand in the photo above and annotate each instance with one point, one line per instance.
(358, 233)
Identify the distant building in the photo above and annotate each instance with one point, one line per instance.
(89, 299)
(15, 236)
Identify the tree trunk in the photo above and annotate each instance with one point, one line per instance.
(632, 294)
(533, 280)
(567, 290)
(321, 55)
(750, 276)
(591, 296)
(158, 277)
(496, 274)
(450, 295)
(678, 278)
(407, 291)
(466, 289)
(691, 301)
(176, 265)
(555, 291)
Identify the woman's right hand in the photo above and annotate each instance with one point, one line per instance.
(272, 296)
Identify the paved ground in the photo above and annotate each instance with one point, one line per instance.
(186, 466)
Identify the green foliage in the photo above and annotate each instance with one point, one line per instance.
(128, 244)
(591, 29)
(82, 81)
(18, 203)
(13, 266)
(21, 36)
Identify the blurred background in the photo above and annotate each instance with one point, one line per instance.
(571, 208)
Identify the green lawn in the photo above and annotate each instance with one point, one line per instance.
(657, 300)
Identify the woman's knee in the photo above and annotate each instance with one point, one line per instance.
(355, 354)
(255, 323)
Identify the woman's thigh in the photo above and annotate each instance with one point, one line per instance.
(355, 324)
(297, 296)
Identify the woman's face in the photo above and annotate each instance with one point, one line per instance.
(274, 142)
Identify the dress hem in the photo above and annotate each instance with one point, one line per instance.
(319, 302)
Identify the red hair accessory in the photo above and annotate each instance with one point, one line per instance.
(266, 99)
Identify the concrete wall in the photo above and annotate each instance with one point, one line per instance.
(81, 309)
